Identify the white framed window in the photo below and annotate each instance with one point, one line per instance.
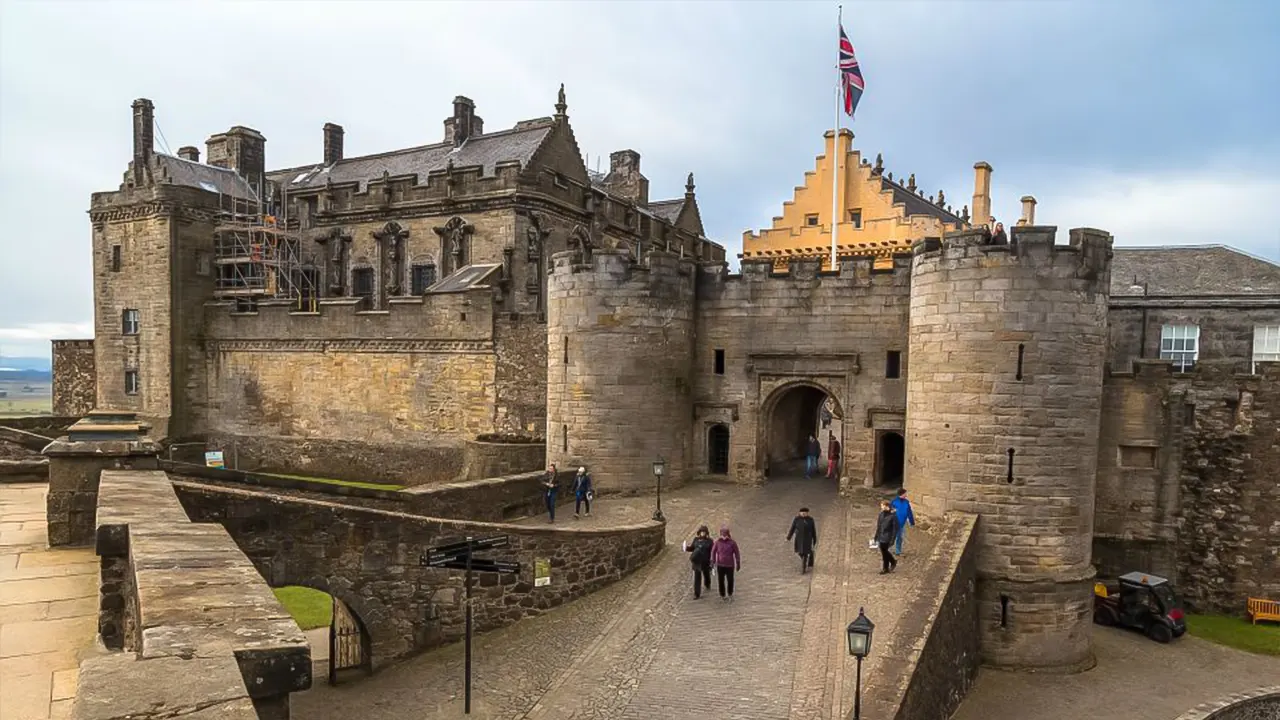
(130, 382)
(129, 322)
(1181, 344)
(1266, 345)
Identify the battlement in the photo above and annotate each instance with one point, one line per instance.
(621, 264)
(449, 183)
(1088, 253)
(852, 270)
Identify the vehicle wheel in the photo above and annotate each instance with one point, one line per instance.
(1160, 633)
(1104, 616)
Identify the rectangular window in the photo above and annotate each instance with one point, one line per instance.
(811, 220)
(855, 217)
(130, 382)
(421, 277)
(129, 322)
(719, 368)
(893, 364)
(115, 258)
(1266, 345)
(362, 285)
(1181, 344)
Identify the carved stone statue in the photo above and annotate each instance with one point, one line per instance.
(454, 240)
(581, 243)
(536, 236)
(391, 258)
(338, 243)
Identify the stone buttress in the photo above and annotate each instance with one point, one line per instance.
(1007, 346)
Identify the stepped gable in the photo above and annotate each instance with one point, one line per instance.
(1191, 270)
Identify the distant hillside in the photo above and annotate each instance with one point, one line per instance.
(26, 363)
(14, 375)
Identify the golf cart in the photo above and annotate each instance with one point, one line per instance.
(1140, 601)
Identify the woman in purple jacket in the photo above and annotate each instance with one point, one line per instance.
(727, 559)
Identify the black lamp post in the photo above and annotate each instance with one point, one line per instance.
(659, 467)
(859, 646)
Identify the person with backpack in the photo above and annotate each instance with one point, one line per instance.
(700, 557)
(805, 532)
(902, 508)
(727, 559)
(582, 492)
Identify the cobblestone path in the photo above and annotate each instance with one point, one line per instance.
(644, 648)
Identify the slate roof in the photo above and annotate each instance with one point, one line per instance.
(518, 145)
(205, 177)
(466, 278)
(1191, 270)
(668, 210)
(916, 205)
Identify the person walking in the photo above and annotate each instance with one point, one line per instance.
(550, 489)
(813, 451)
(582, 492)
(727, 559)
(699, 550)
(886, 531)
(805, 532)
(833, 456)
(902, 508)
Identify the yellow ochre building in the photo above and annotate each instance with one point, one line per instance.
(878, 215)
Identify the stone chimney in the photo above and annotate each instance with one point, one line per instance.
(624, 178)
(1028, 211)
(464, 124)
(981, 194)
(241, 149)
(144, 135)
(189, 153)
(332, 143)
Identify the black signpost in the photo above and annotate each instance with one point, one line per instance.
(460, 556)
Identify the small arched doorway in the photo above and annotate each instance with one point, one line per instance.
(791, 415)
(890, 456)
(337, 635)
(718, 449)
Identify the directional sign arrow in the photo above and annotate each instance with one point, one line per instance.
(497, 566)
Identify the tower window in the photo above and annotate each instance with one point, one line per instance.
(1021, 351)
(855, 218)
(421, 277)
(130, 382)
(1181, 344)
(566, 349)
(811, 220)
(129, 322)
(115, 258)
(1004, 611)
(1009, 475)
(893, 364)
(719, 366)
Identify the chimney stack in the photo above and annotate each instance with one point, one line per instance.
(464, 124)
(241, 149)
(1028, 211)
(981, 194)
(189, 153)
(624, 177)
(143, 138)
(332, 143)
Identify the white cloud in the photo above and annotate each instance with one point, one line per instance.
(33, 340)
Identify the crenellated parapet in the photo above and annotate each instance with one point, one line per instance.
(805, 275)
(1087, 256)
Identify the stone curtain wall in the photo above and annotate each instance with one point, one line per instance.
(834, 328)
(378, 462)
(932, 659)
(74, 380)
(1007, 347)
(369, 559)
(489, 459)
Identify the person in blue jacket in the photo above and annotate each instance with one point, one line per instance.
(902, 507)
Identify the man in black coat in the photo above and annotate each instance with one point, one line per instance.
(805, 532)
(886, 533)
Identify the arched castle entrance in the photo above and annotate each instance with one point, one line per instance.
(789, 415)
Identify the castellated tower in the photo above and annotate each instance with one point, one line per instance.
(619, 362)
(1007, 345)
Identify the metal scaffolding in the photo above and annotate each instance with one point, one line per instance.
(259, 256)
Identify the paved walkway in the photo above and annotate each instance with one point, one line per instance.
(1135, 678)
(645, 648)
(48, 610)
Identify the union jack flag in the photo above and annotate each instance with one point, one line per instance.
(850, 74)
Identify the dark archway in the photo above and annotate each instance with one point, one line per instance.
(718, 450)
(890, 454)
(791, 415)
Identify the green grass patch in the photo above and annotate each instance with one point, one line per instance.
(310, 608)
(1263, 638)
(333, 481)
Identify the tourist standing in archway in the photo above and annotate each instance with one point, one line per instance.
(813, 451)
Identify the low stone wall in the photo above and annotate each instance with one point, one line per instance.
(934, 658)
(1260, 704)
(487, 458)
(24, 438)
(50, 426)
(342, 459)
(193, 470)
(74, 469)
(24, 471)
(494, 499)
(202, 634)
(369, 559)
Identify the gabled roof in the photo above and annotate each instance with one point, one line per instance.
(205, 177)
(668, 210)
(1191, 270)
(486, 151)
(916, 205)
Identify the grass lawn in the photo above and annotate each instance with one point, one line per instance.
(309, 608)
(331, 481)
(1233, 632)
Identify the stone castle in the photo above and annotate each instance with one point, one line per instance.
(486, 303)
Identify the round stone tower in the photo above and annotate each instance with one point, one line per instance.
(619, 358)
(1004, 389)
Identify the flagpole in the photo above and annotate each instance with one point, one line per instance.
(835, 149)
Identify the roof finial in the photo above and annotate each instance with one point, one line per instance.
(911, 182)
(879, 167)
(942, 199)
(890, 176)
(561, 106)
(964, 214)
(688, 185)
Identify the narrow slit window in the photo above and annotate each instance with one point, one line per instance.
(1021, 352)
(855, 218)
(719, 367)
(115, 258)
(1009, 477)
(893, 364)
(1004, 611)
(566, 349)
(130, 382)
(564, 438)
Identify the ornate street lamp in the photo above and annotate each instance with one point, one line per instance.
(659, 467)
(859, 646)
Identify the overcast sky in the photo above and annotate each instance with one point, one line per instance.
(1156, 121)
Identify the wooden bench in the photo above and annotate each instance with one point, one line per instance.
(1260, 609)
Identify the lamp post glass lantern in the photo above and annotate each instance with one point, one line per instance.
(659, 467)
(859, 632)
